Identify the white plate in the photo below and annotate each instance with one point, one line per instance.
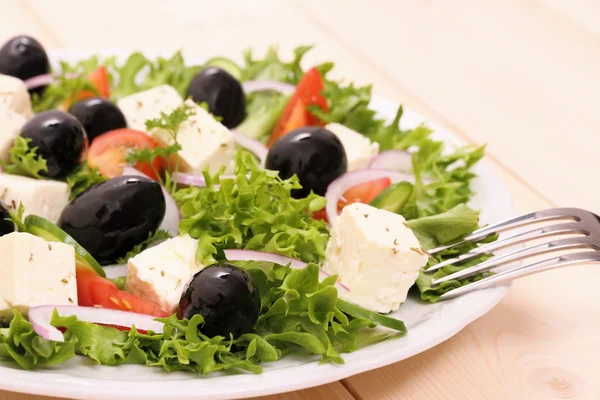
(428, 325)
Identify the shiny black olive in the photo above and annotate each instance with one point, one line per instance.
(6, 226)
(23, 57)
(227, 298)
(60, 140)
(98, 115)
(223, 94)
(112, 217)
(315, 154)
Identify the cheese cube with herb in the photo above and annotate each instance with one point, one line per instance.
(10, 127)
(376, 255)
(161, 273)
(45, 198)
(204, 141)
(34, 273)
(143, 106)
(14, 96)
(359, 149)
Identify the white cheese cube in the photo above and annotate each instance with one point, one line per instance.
(359, 149)
(376, 255)
(10, 127)
(161, 273)
(45, 198)
(204, 142)
(143, 106)
(34, 273)
(14, 96)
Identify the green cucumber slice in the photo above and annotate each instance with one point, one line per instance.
(394, 197)
(45, 229)
(225, 64)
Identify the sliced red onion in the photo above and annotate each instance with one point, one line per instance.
(255, 255)
(256, 86)
(191, 180)
(170, 222)
(40, 318)
(338, 187)
(397, 160)
(252, 145)
(38, 81)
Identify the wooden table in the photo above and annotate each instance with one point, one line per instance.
(521, 75)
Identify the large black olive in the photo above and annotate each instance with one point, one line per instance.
(223, 94)
(227, 298)
(23, 57)
(98, 115)
(112, 217)
(6, 226)
(315, 154)
(60, 140)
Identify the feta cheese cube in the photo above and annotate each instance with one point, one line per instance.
(161, 273)
(14, 96)
(35, 273)
(359, 149)
(376, 255)
(10, 127)
(143, 106)
(204, 142)
(45, 198)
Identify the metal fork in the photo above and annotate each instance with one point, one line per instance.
(561, 221)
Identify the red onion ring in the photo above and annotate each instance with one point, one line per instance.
(252, 145)
(38, 81)
(40, 318)
(338, 187)
(170, 222)
(398, 160)
(255, 255)
(191, 180)
(256, 86)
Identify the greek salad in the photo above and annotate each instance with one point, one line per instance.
(211, 217)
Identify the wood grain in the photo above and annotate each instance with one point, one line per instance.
(521, 75)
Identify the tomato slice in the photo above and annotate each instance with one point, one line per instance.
(96, 291)
(295, 114)
(101, 81)
(363, 193)
(107, 152)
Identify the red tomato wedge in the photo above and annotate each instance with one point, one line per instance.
(295, 114)
(363, 193)
(96, 291)
(101, 81)
(107, 152)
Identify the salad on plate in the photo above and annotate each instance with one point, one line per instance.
(212, 217)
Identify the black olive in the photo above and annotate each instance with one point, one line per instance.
(23, 57)
(223, 94)
(6, 226)
(98, 115)
(112, 217)
(227, 298)
(60, 140)
(315, 154)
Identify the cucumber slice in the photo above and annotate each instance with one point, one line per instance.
(225, 64)
(45, 229)
(394, 197)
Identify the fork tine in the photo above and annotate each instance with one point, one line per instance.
(538, 233)
(524, 270)
(548, 215)
(540, 249)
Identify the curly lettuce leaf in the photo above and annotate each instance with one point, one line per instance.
(83, 178)
(254, 211)
(24, 160)
(272, 68)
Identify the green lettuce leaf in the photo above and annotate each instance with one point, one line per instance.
(254, 211)
(262, 112)
(153, 237)
(272, 68)
(83, 178)
(24, 160)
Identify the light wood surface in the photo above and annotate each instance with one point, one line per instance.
(521, 75)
